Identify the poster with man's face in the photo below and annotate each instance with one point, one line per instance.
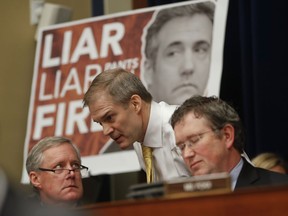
(175, 49)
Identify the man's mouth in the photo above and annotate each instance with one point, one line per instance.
(194, 164)
(70, 186)
(185, 85)
(117, 139)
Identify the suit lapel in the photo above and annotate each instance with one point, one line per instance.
(247, 176)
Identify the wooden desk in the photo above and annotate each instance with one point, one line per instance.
(272, 201)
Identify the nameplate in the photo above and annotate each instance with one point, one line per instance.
(181, 187)
(198, 185)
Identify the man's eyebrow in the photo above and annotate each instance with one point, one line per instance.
(193, 135)
(76, 161)
(174, 43)
(202, 42)
(104, 116)
(187, 138)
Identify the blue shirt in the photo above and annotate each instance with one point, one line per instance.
(235, 173)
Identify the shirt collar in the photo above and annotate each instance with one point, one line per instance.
(153, 136)
(235, 173)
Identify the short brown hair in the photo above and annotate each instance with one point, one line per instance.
(118, 83)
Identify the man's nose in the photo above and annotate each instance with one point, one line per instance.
(70, 173)
(188, 65)
(107, 129)
(188, 152)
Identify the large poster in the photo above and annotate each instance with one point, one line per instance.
(175, 57)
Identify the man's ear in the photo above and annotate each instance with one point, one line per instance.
(35, 179)
(148, 73)
(136, 102)
(228, 135)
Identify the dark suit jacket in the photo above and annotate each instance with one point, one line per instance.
(251, 176)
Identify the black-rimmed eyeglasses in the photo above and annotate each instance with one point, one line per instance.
(78, 169)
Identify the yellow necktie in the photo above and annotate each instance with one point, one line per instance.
(147, 155)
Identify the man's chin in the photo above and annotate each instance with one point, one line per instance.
(199, 172)
(122, 142)
(65, 199)
(72, 197)
(181, 95)
(123, 145)
(178, 100)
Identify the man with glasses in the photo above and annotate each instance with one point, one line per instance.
(55, 171)
(210, 138)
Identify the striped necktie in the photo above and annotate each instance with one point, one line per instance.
(147, 155)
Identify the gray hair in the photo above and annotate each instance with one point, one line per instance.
(119, 84)
(35, 156)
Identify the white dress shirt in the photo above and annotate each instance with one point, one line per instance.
(167, 164)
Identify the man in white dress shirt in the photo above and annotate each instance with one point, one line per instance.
(118, 100)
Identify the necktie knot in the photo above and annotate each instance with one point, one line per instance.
(147, 152)
(147, 155)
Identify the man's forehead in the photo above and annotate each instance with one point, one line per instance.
(59, 147)
(100, 108)
(199, 25)
(99, 95)
(189, 125)
(58, 152)
(192, 120)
